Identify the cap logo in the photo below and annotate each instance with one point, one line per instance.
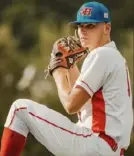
(86, 11)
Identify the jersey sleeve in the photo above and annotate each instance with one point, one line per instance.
(94, 74)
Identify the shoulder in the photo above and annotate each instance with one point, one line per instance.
(105, 51)
(101, 53)
(107, 54)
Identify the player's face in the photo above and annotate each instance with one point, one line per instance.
(92, 35)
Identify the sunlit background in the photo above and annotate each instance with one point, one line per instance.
(28, 29)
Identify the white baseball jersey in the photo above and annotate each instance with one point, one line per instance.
(105, 76)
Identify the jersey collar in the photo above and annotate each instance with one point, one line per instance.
(110, 44)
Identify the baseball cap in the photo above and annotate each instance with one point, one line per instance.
(92, 12)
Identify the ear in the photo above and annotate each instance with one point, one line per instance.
(107, 28)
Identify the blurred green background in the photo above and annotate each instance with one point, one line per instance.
(28, 29)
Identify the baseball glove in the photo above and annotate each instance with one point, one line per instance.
(65, 53)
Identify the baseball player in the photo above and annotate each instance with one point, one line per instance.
(100, 94)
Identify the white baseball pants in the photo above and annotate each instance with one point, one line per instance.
(55, 131)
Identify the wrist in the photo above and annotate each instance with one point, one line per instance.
(59, 72)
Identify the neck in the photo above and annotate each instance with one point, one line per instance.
(104, 42)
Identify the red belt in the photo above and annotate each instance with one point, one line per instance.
(111, 143)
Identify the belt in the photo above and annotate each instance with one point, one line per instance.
(112, 143)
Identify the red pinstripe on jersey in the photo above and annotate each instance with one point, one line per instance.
(88, 86)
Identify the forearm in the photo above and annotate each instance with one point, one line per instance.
(63, 84)
(73, 74)
(65, 80)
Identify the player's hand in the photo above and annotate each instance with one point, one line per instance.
(65, 53)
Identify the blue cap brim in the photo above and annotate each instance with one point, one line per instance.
(86, 22)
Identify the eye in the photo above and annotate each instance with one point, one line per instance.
(90, 26)
(79, 25)
(87, 26)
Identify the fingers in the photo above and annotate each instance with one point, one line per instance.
(54, 62)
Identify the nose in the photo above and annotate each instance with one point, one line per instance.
(82, 30)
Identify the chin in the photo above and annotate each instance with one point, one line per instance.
(84, 45)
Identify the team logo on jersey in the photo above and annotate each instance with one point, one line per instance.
(86, 11)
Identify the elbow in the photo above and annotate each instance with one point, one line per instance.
(71, 110)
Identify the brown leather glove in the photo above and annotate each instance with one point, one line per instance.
(66, 52)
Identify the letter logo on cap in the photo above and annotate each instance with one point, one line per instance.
(86, 11)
